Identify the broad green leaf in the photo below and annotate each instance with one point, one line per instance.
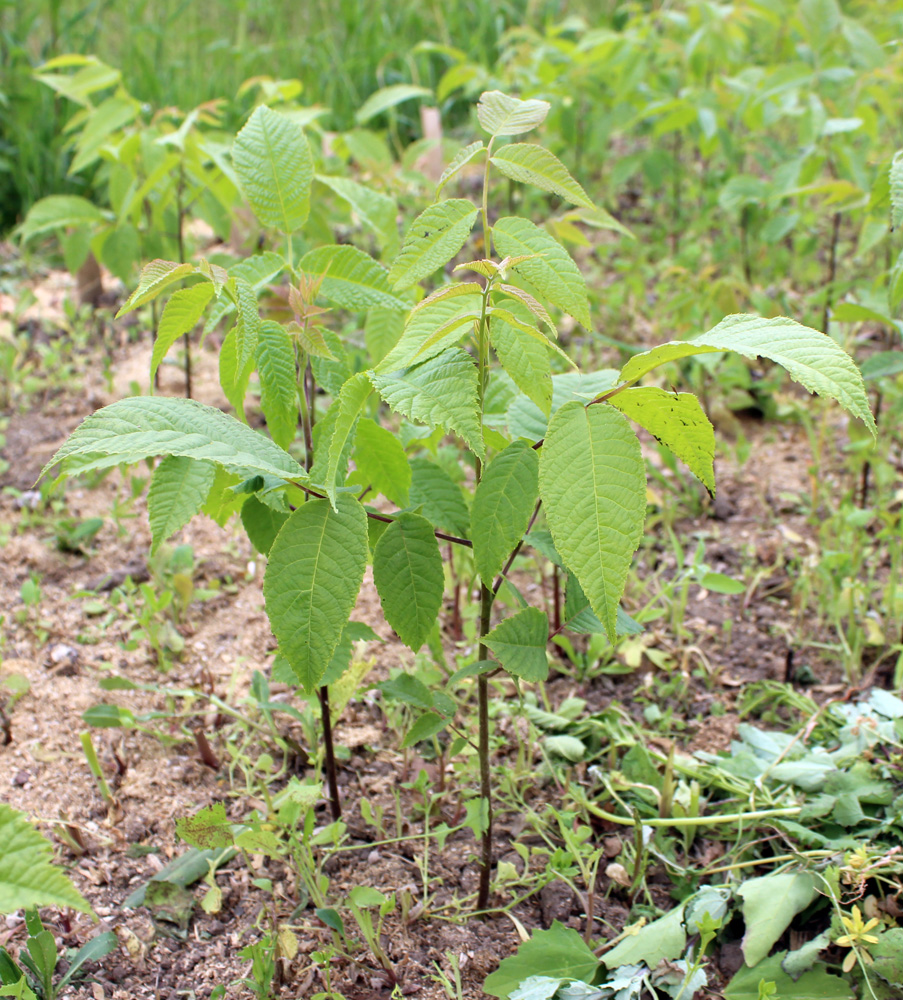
(275, 169)
(380, 462)
(500, 114)
(258, 271)
(580, 618)
(110, 115)
(313, 576)
(502, 505)
(526, 360)
(409, 577)
(519, 642)
(223, 501)
(332, 372)
(388, 97)
(811, 358)
(248, 326)
(529, 328)
(139, 427)
(352, 278)
(59, 211)
(28, 877)
(458, 162)
(278, 382)
(552, 273)
(438, 496)
(817, 984)
(382, 331)
(529, 163)
(664, 938)
(434, 238)
(453, 315)
(234, 380)
(179, 487)
(121, 251)
(559, 953)
(155, 278)
(769, 905)
(373, 208)
(676, 420)
(347, 407)
(180, 315)
(882, 365)
(424, 729)
(526, 420)
(442, 392)
(593, 487)
(262, 523)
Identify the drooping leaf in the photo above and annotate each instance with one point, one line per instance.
(388, 97)
(526, 360)
(502, 505)
(275, 169)
(455, 316)
(424, 728)
(442, 392)
(519, 642)
(262, 523)
(59, 211)
(347, 407)
(552, 272)
(28, 877)
(155, 278)
(438, 496)
(178, 490)
(500, 114)
(769, 905)
(580, 618)
(408, 573)
(811, 358)
(314, 572)
(180, 315)
(593, 486)
(434, 238)
(676, 420)
(458, 162)
(139, 427)
(559, 953)
(278, 382)
(380, 462)
(351, 278)
(529, 163)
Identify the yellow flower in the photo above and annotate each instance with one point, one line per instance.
(857, 937)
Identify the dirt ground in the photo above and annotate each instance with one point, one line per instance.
(65, 646)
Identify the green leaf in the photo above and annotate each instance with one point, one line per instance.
(526, 420)
(258, 271)
(434, 238)
(526, 360)
(262, 523)
(139, 427)
(442, 392)
(155, 278)
(373, 208)
(207, 829)
(59, 211)
(275, 169)
(502, 505)
(519, 642)
(818, 984)
(580, 618)
(347, 407)
(178, 490)
(552, 273)
(458, 162)
(352, 279)
(454, 315)
(313, 576)
(388, 97)
(234, 380)
(408, 573)
(382, 331)
(676, 420)
(529, 163)
(380, 462)
(769, 905)
(559, 953)
(811, 358)
(663, 939)
(888, 956)
(28, 877)
(438, 496)
(896, 190)
(180, 315)
(500, 114)
(278, 382)
(593, 486)
(424, 729)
